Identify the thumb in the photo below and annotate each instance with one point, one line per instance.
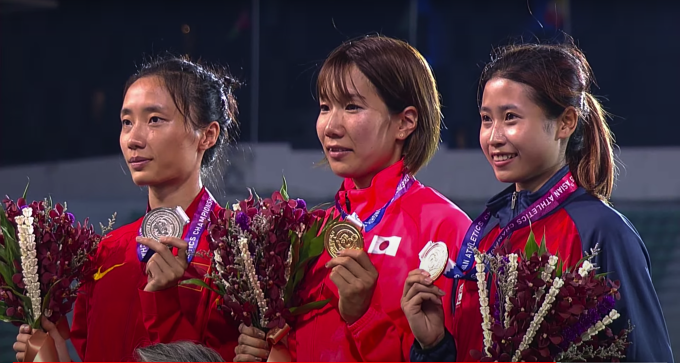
(47, 325)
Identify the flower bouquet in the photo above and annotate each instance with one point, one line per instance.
(260, 252)
(45, 256)
(544, 312)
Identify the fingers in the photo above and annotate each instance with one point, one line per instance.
(349, 264)
(251, 331)
(246, 357)
(25, 329)
(423, 297)
(153, 268)
(180, 245)
(20, 357)
(248, 341)
(417, 276)
(361, 257)
(417, 288)
(48, 325)
(339, 280)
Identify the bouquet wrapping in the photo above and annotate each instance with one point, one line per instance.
(45, 256)
(260, 251)
(544, 312)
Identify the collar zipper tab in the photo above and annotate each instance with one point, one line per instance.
(514, 200)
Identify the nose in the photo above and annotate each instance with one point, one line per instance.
(136, 137)
(497, 135)
(334, 125)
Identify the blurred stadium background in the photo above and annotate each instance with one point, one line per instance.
(63, 64)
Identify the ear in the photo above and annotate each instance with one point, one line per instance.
(408, 120)
(566, 123)
(209, 135)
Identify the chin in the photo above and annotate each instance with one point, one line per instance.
(143, 178)
(342, 170)
(505, 176)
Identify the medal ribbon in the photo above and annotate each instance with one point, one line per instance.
(544, 205)
(404, 185)
(198, 224)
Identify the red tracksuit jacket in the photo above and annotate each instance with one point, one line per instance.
(113, 315)
(382, 334)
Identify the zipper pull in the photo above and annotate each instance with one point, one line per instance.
(514, 200)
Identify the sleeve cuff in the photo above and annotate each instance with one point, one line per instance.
(444, 351)
(372, 315)
(160, 303)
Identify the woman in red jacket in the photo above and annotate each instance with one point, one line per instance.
(544, 132)
(174, 122)
(379, 123)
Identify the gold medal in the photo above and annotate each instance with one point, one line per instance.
(164, 222)
(433, 258)
(341, 236)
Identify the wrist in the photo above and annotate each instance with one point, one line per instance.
(434, 343)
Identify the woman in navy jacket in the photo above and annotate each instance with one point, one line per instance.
(543, 131)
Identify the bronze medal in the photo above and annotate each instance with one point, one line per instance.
(433, 258)
(164, 222)
(341, 236)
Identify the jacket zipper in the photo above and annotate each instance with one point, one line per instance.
(514, 200)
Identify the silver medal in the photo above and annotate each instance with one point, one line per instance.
(433, 258)
(164, 222)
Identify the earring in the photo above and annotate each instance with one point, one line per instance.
(401, 135)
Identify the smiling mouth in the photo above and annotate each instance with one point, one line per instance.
(503, 157)
(338, 149)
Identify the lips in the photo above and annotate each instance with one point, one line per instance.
(138, 163)
(338, 152)
(503, 157)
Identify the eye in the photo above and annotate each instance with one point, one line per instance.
(155, 119)
(352, 107)
(510, 116)
(486, 119)
(324, 107)
(126, 122)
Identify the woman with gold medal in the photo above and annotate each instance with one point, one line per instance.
(379, 124)
(174, 122)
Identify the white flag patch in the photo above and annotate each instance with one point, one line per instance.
(384, 245)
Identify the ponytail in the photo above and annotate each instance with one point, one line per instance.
(592, 165)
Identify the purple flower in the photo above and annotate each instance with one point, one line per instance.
(301, 204)
(71, 218)
(242, 221)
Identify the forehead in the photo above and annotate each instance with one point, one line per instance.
(342, 82)
(145, 91)
(502, 91)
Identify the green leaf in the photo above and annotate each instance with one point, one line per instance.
(7, 272)
(11, 245)
(200, 283)
(560, 267)
(26, 189)
(309, 307)
(543, 249)
(599, 276)
(531, 247)
(284, 189)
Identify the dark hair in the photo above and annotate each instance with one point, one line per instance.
(560, 77)
(177, 352)
(201, 93)
(402, 78)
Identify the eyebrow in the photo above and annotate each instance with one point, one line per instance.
(501, 107)
(147, 109)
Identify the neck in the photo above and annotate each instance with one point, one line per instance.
(364, 181)
(172, 195)
(539, 180)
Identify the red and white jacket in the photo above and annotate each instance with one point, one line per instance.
(419, 216)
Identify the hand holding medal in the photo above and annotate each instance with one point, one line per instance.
(161, 231)
(421, 300)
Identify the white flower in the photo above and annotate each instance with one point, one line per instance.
(236, 207)
(585, 268)
(29, 262)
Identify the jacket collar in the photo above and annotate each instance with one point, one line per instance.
(194, 204)
(366, 201)
(501, 206)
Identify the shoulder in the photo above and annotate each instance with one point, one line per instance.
(600, 224)
(434, 212)
(123, 233)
